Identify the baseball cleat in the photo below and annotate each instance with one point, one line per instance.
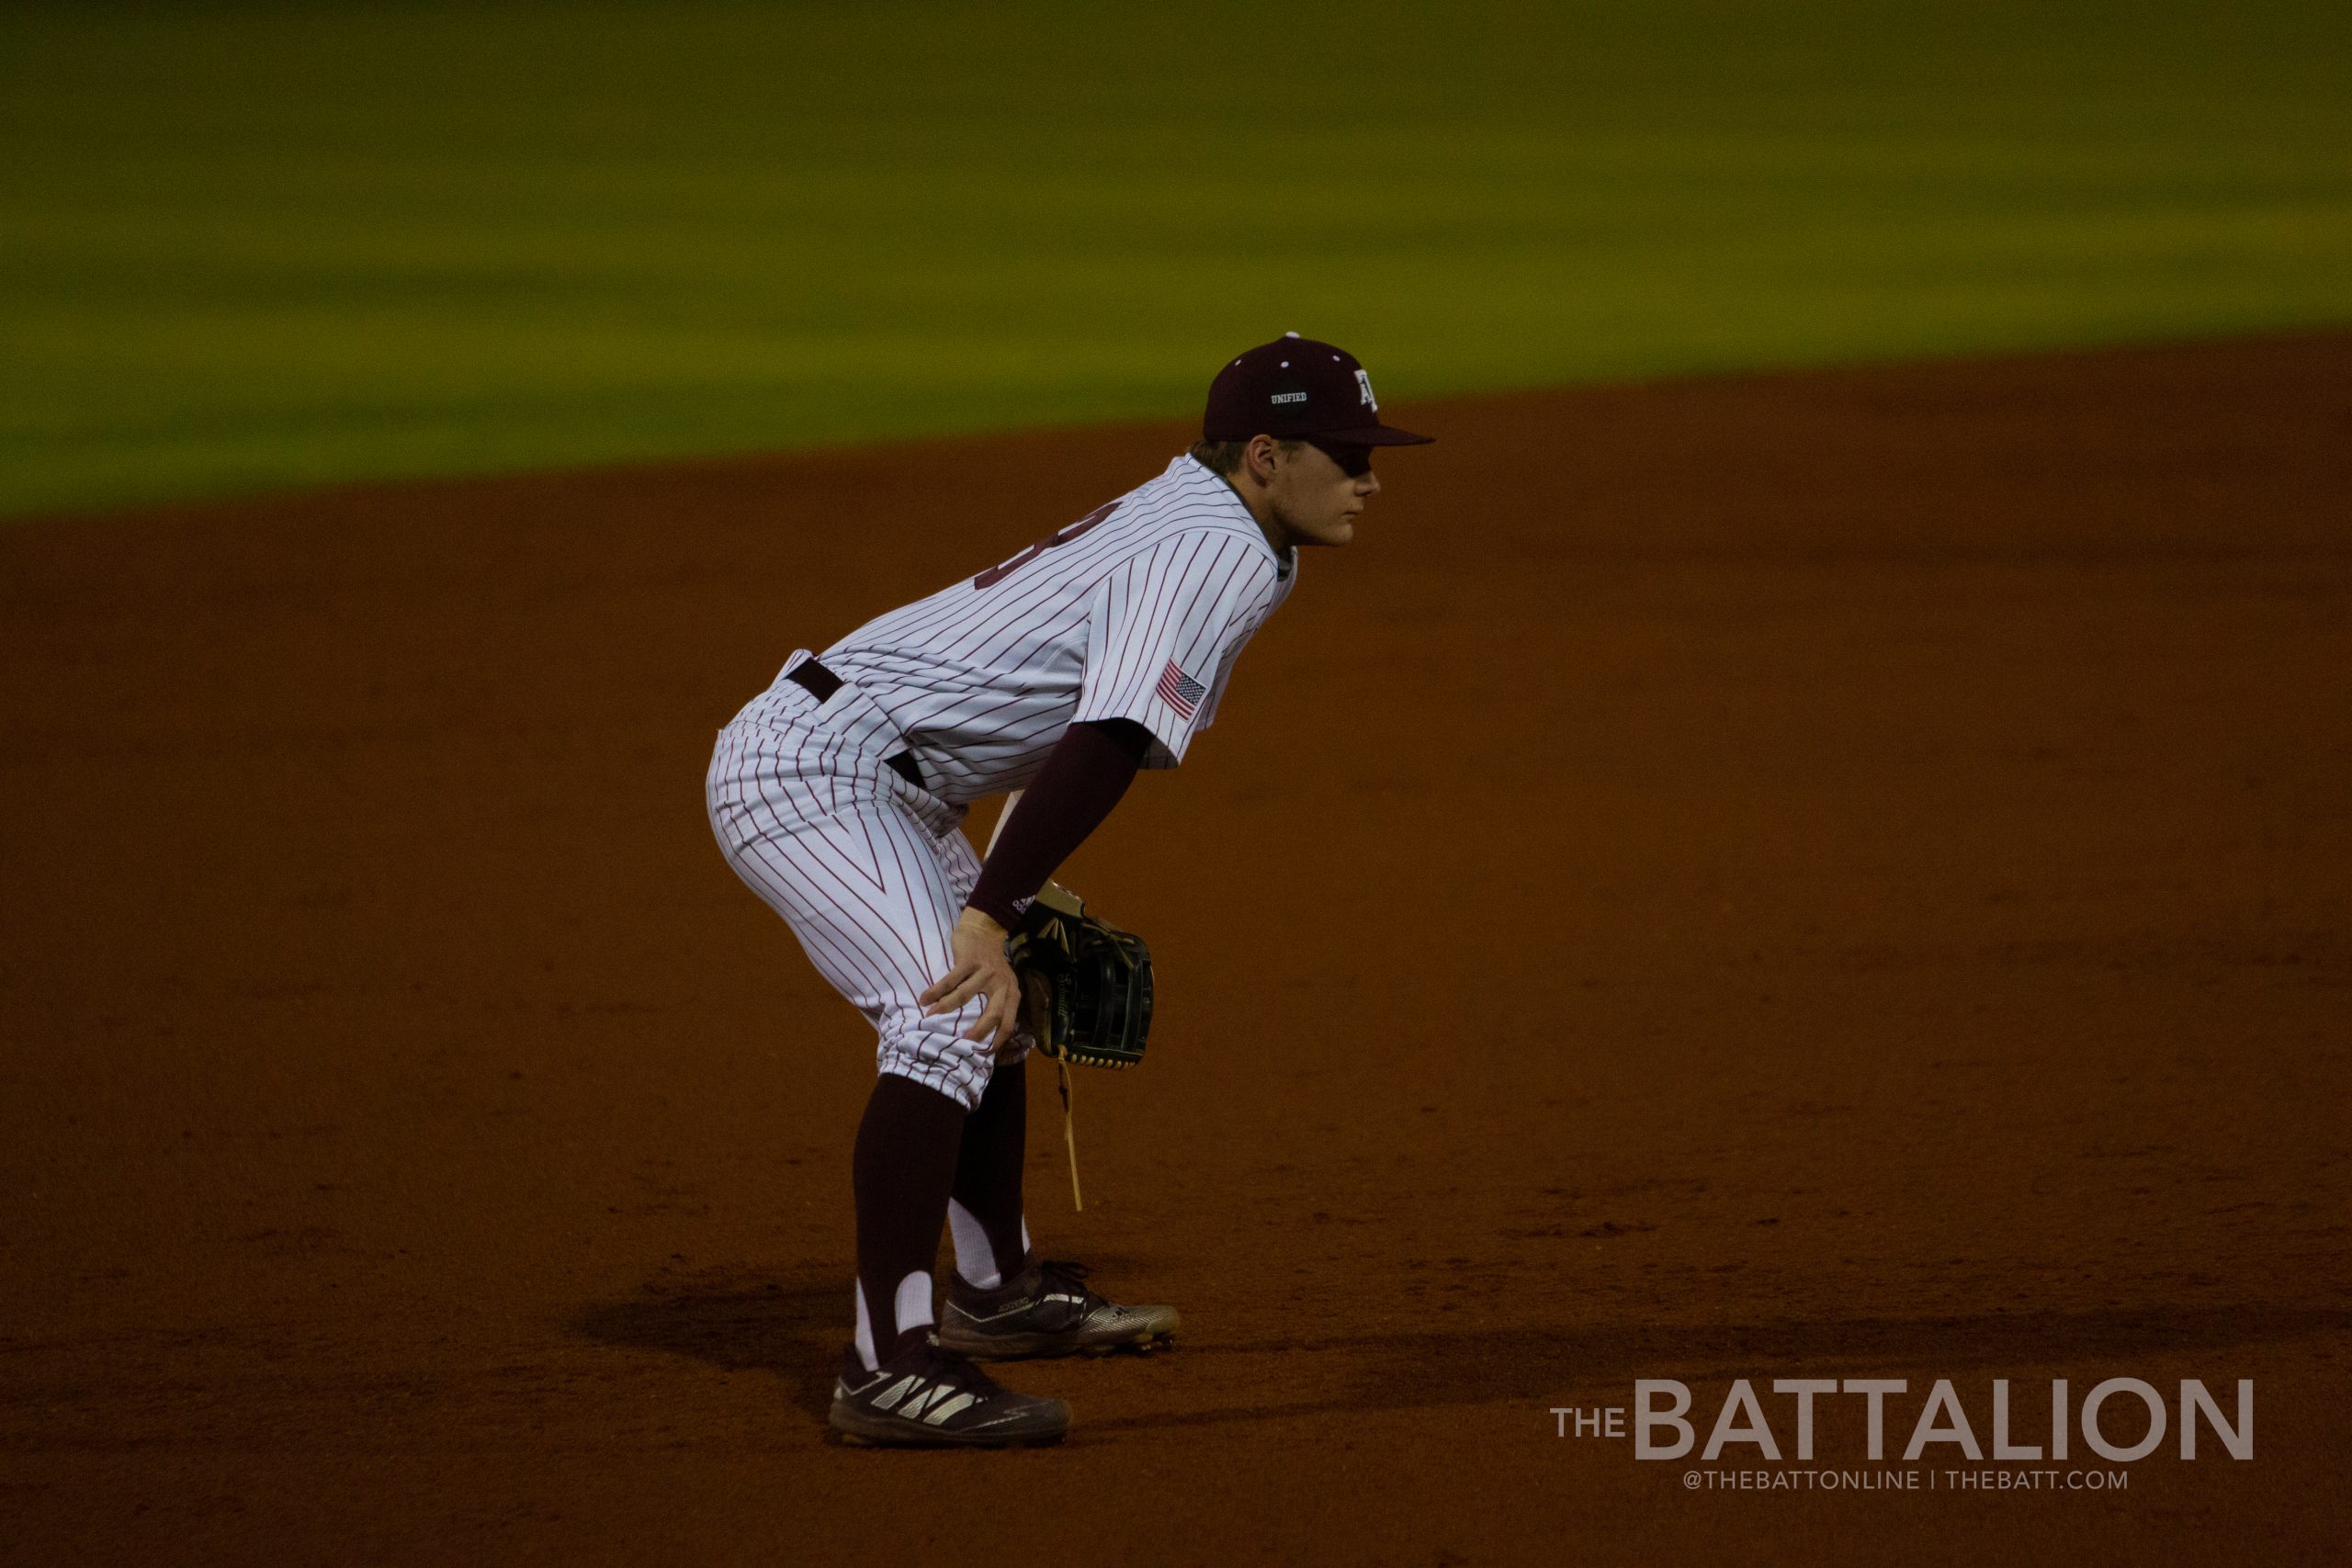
(1046, 1310)
(931, 1398)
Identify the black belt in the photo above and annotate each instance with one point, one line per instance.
(821, 684)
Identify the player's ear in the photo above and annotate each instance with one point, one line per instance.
(1258, 457)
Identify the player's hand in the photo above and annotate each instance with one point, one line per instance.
(982, 970)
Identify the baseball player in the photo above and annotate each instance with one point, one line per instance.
(838, 795)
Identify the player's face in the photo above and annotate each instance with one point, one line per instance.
(1317, 490)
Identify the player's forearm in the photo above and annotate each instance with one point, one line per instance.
(1084, 776)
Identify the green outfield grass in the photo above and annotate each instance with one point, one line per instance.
(247, 248)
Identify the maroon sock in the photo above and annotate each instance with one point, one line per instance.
(988, 1169)
(902, 1170)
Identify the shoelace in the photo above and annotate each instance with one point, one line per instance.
(959, 1372)
(1070, 1276)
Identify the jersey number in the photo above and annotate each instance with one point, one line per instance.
(997, 574)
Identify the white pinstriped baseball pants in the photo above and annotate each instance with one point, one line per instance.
(868, 871)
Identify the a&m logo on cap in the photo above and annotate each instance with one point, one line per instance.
(1364, 380)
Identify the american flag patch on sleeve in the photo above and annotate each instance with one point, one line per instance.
(1179, 691)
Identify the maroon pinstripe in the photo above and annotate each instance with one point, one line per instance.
(978, 681)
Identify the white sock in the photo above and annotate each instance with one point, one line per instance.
(975, 1260)
(914, 1300)
(913, 1306)
(865, 1330)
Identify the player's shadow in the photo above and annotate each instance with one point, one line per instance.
(740, 1319)
(795, 1328)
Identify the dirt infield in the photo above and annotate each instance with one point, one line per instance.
(1835, 876)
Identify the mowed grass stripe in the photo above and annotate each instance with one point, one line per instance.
(244, 248)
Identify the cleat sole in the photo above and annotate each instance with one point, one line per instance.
(859, 1430)
(1046, 1347)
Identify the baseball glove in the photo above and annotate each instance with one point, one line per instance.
(1085, 984)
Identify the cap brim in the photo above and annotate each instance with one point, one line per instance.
(1373, 435)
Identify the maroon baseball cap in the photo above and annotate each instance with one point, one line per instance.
(1295, 387)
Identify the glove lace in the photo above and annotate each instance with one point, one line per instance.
(1070, 1135)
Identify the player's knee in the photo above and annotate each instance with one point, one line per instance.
(934, 1052)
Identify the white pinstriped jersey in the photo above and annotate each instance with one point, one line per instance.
(1137, 611)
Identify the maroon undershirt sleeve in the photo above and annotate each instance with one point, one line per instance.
(1085, 773)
